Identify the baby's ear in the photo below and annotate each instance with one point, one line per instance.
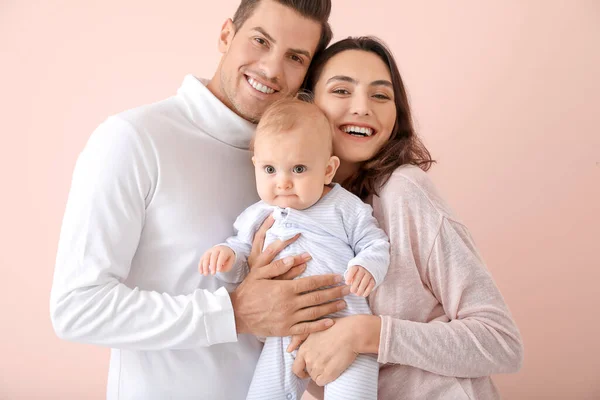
(332, 165)
(254, 160)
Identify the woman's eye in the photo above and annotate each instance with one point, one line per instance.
(381, 96)
(340, 91)
(298, 169)
(269, 169)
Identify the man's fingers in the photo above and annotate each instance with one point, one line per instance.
(259, 237)
(304, 328)
(280, 267)
(272, 250)
(316, 312)
(311, 283)
(322, 296)
(292, 273)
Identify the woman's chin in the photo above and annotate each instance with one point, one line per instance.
(354, 156)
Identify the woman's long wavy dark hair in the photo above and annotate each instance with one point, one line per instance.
(403, 146)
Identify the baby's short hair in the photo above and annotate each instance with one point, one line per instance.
(291, 112)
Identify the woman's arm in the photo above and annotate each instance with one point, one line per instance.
(477, 335)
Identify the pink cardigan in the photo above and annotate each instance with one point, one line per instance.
(445, 326)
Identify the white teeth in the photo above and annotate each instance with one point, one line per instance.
(357, 129)
(260, 87)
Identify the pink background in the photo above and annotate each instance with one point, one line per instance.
(505, 94)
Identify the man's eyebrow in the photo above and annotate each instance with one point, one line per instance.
(270, 39)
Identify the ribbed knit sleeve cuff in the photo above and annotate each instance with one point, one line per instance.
(384, 338)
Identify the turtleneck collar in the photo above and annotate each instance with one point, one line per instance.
(215, 118)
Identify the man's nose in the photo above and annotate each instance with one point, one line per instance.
(271, 67)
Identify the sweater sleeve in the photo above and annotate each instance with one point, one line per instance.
(478, 336)
(102, 226)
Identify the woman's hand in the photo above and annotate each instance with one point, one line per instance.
(325, 355)
(259, 257)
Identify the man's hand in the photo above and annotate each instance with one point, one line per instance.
(259, 257)
(267, 307)
(360, 280)
(217, 259)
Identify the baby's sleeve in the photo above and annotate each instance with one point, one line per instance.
(245, 225)
(370, 243)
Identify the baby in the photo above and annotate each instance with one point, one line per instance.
(294, 169)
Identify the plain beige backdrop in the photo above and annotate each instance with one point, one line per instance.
(506, 95)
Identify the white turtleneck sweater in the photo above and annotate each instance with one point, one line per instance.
(153, 189)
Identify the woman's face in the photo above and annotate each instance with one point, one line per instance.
(355, 91)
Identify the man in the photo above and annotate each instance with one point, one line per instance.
(154, 188)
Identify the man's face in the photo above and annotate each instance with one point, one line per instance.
(265, 59)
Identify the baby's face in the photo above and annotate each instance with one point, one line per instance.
(292, 168)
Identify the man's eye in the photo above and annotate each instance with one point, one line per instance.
(296, 58)
(298, 169)
(269, 169)
(260, 41)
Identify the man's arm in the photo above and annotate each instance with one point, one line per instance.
(104, 217)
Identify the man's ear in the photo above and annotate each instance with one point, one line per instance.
(226, 35)
(254, 160)
(332, 165)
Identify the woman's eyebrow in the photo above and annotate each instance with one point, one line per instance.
(382, 82)
(344, 78)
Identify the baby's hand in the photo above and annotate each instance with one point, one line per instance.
(361, 280)
(217, 259)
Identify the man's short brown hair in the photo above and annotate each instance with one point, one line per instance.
(316, 10)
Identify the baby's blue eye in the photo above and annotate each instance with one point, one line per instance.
(298, 169)
(269, 169)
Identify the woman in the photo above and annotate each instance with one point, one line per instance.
(440, 326)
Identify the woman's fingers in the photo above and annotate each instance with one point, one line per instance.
(299, 367)
(304, 328)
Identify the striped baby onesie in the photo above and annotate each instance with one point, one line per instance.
(339, 231)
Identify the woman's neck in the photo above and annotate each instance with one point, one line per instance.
(345, 171)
